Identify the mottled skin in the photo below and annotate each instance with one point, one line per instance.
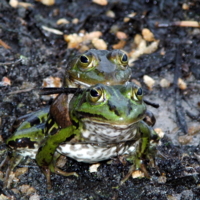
(108, 67)
(117, 111)
(87, 69)
(83, 70)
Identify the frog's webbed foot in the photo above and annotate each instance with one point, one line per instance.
(138, 166)
(47, 172)
(53, 168)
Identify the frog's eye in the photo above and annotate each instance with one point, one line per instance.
(137, 94)
(87, 61)
(84, 59)
(133, 92)
(95, 95)
(124, 59)
(119, 57)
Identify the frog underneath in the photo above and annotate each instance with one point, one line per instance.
(107, 121)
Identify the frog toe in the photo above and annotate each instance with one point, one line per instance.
(63, 173)
(137, 170)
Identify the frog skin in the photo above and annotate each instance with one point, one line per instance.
(89, 68)
(83, 70)
(29, 132)
(107, 121)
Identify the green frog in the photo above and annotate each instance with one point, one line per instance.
(107, 121)
(89, 68)
(83, 70)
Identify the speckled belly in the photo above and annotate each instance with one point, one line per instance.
(100, 132)
(92, 153)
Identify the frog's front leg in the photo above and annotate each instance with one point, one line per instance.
(45, 157)
(145, 149)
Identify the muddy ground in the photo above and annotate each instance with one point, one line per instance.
(45, 53)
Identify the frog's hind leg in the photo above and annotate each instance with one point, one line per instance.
(137, 165)
(12, 163)
(53, 168)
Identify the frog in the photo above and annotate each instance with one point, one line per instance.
(83, 70)
(108, 67)
(107, 121)
(120, 130)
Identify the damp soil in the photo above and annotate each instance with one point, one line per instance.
(46, 54)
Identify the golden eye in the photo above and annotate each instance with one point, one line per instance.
(95, 95)
(84, 59)
(119, 57)
(132, 91)
(124, 59)
(137, 94)
(87, 61)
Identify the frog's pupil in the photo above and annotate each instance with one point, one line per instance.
(84, 59)
(94, 93)
(139, 92)
(124, 58)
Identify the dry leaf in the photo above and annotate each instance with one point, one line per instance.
(162, 179)
(100, 2)
(75, 21)
(185, 139)
(164, 83)
(160, 132)
(47, 2)
(110, 14)
(148, 81)
(62, 21)
(20, 171)
(3, 44)
(92, 35)
(126, 19)
(137, 174)
(119, 45)
(193, 130)
(182, 84)
(99, 44)
(148, 35)
(13, 3)
(94, 167)
(73, 40)
(34, 197)
(52, 82)
(5, 81)
(185, 6)
(27, 189)
(121, 35)
(52, 30)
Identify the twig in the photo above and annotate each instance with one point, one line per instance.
(11, 62)
(193, 24)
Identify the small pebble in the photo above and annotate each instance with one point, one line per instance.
(148, 81)
(94, 167)
(100, 2)
(164, 83)
(99, 44)
(182, 84)
(148, 35)
(185, 139)
(137, 174)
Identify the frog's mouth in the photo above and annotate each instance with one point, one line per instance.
(82, 84)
